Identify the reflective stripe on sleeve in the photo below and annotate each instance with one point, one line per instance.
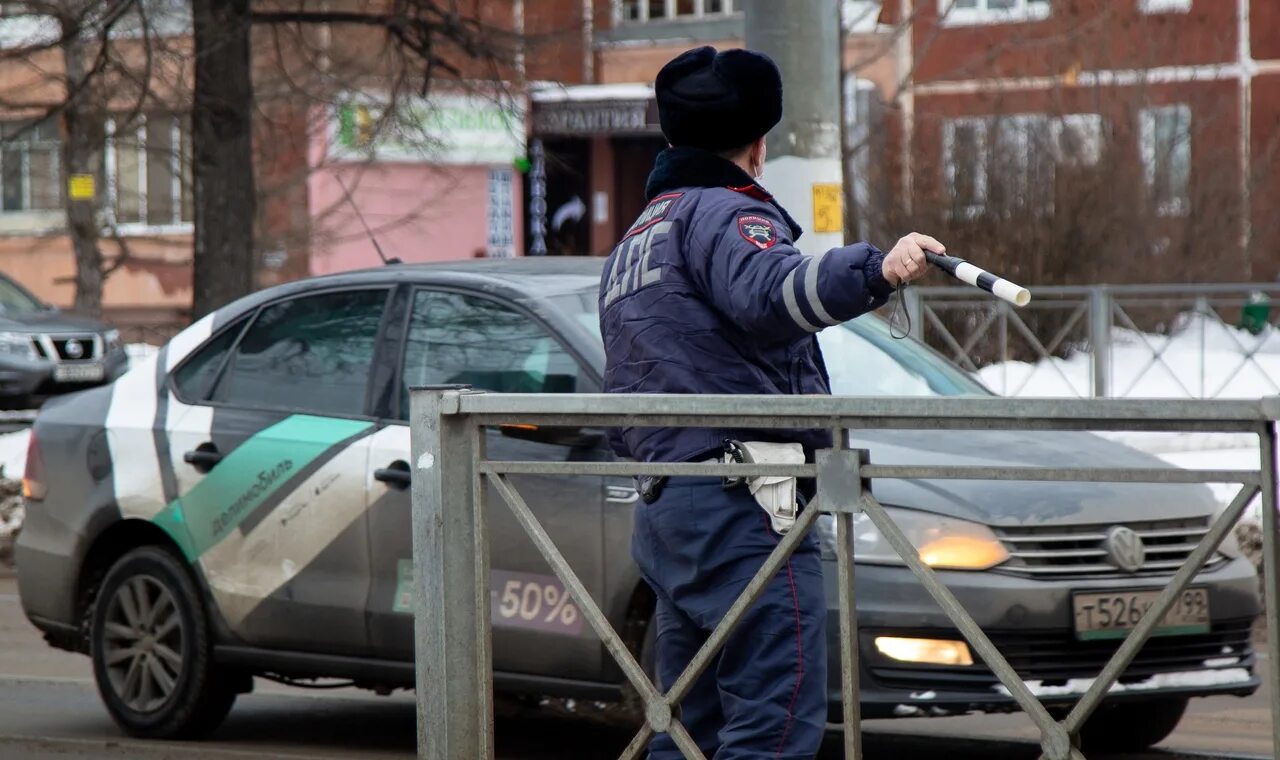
(789, 297)
(811, 292)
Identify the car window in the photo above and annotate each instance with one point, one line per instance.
(194, 379)
(15, 300)
(863, 359)
(461, 339)
(861, 355)
(313, 353)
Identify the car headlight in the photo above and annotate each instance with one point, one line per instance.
(944, 543)
(17, 344)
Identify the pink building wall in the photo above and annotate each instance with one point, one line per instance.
(419, 212)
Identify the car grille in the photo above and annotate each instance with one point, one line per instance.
(1054, 657)
(1077, 550)
(61, 347)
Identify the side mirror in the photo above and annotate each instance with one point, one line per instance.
(571, 437)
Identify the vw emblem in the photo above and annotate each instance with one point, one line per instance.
(1125, 549)
(74, 349)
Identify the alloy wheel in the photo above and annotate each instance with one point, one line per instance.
(142, 643)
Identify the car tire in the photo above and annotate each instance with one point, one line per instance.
(1131, 726)
(152, 650)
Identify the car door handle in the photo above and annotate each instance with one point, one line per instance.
(203, 457)
(396, 475)
(621, 495)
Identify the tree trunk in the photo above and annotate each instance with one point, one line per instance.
(82, 145)
(222, 170)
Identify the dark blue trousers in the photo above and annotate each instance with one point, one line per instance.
(765, 695)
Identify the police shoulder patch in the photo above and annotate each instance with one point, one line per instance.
(757, 230)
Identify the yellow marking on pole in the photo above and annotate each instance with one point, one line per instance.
(828, 207)
(81, 187)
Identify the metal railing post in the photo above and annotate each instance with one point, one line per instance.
(850, 683)
(1100, 340)
(1202, 312)
(1271, 572)
(453, 663)
(850, 671)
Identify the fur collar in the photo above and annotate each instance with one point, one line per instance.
(692, 167)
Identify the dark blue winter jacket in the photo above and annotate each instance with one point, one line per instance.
(707, 293)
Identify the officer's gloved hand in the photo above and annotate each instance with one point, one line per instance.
(906, 262)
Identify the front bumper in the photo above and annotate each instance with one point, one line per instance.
(1029, 621)
(35, 377)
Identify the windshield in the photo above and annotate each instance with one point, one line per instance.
(15, 300)
(862, 357)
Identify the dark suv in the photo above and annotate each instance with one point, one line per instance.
(44, 352)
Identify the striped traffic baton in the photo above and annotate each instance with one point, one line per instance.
(980, 278)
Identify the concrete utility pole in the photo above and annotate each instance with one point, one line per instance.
(803, 166)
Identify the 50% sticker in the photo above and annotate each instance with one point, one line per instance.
(531, 601)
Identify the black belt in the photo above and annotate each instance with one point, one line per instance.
(650, 486)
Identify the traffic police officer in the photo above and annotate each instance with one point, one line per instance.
(706, 293)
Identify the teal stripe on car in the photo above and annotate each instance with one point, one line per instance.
(249, 476)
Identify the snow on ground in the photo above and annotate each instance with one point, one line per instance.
(1189, 679)
(1200, 358)
(13, 453)
(13, 446)
(138, 351)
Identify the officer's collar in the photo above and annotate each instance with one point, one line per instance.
(693, 167)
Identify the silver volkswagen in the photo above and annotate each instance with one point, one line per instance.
(236, 505)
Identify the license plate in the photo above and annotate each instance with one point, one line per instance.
(79, 373)
(1112, 614)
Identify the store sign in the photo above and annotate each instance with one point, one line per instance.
(442, 128)
(537, 200)
(601, 118)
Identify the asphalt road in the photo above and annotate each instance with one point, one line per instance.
(49, 708)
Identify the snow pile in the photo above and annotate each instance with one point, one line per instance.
(13, 461)
(139, 351)
(11, 514)
(13, 454)
(1200, 358)
(1185, 680)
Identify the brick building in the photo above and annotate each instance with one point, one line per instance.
(1140, 135)
(445, 186)
(577, 91)
(601, 135)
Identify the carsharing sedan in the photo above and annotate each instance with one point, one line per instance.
(236, 505)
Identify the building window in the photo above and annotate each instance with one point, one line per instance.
(1009, 163)
(859, 99)
(1166, 157)
(1024, 166)
(1164, 6)
(1077, 139)
(148, 172)
(965, 153)
(501, 217)
(29, 167)
(658, 10)
(961, 12)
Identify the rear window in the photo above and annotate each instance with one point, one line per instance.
(313, 353)
(195, 378)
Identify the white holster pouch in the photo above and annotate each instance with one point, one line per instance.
(776, 495)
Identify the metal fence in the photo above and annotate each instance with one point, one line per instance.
(451, 472)
(1225, 328)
